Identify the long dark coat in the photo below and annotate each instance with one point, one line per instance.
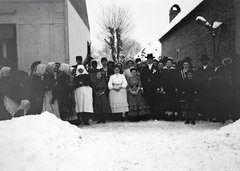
(170, 84)
(149, 83)
(202, 80)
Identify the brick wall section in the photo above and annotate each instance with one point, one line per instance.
(192, 39)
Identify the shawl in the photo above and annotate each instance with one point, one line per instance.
(40, 70)
(98, 83)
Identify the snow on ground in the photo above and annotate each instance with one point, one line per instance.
(43, 142)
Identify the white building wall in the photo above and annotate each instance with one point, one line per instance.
(40, 31)
(79, 35)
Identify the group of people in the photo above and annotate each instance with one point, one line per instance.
(134, 91)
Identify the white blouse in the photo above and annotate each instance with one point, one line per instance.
(117, 79)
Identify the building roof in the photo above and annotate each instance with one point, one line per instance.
(81, 8)
(180, 17)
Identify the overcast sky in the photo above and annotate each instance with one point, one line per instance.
(151, 17)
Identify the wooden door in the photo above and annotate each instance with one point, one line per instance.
(8, 45)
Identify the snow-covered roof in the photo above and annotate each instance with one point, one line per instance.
(184, 12)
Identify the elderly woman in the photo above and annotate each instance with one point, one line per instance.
(35, 92)
(4, 82)
(9, 102)
(83, 94)
(118, 95)
(50, 102)
(64, 93)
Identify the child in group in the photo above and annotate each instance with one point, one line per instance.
(190, 97)
(100, 100)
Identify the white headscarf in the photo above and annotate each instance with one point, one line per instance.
(4, 72)
(65, 68)
(25, 104)
(50, 68)
(40, 70)
(83, 68)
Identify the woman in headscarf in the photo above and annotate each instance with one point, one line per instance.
(23, 108)
(50, 102)
(118, 94)
(100, 100)
(10, 97)
(4, 89)
(5, 72)
(83, 94)
(36, 89)
(64, 93)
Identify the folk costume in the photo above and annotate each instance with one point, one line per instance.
(83, 94)
(36, 89)
(138, 106)
(64, 93)
(170, 85)
(118, 99)
(50, 102)
(100, 100)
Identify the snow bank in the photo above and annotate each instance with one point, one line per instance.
(45, 143)
(36, 142)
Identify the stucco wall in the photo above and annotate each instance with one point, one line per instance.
(79, 35)
(40, 31)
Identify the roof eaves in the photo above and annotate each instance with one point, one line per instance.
(179, 19)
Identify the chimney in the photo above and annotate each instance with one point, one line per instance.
(173, 12)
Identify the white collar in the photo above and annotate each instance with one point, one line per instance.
(216, 68)
(150, 66)
(204, 67)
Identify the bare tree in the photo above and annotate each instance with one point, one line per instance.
(130, 47)
(116, 24)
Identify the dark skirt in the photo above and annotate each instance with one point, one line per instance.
(101, 104)
(66, 109)
(137, 105)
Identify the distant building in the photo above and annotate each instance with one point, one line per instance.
(185, 37)
(44, 30)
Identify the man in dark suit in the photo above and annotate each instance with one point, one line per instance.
(148, 79)
(202, 78)
(220, 91)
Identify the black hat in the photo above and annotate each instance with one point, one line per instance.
(204, 57)
(150, 55)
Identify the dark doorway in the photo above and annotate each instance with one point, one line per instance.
(8, 45)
